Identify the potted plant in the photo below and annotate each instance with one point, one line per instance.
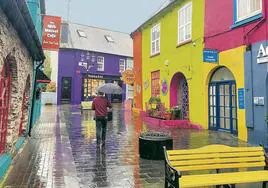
(168, 114)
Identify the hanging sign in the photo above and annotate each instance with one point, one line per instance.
(51, 32)
(210, 56)
(241, 98)
(262, 55)
(128, 77)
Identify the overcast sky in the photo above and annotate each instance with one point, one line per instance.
(118, 15)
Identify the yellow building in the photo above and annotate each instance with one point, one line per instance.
(173, 67)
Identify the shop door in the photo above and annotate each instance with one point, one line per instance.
(223, 107)
(66, 89)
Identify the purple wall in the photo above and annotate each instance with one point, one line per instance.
(219, 22)
(68, 67)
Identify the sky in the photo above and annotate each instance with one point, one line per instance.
(117, 15)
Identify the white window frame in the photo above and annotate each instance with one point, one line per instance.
(155, 40)
(249, 14)
(130, 64)
(183, 26)
(100, 62)
(120, 61)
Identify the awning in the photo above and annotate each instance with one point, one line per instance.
(41, 77)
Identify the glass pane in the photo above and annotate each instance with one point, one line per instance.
(221, 111)
(214, 90)
(214, 100)
(227, 123)
(222, 100)
(227, 89)
(222, 123)
(234, 101)
(211, 111)
(234, 113)
(227, 112)
(211, 90)
(222, 74)
(233, 89)
(215, 112)
(227, 101)
(235, 124)
(221, 89)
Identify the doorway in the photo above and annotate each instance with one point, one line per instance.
(222, 101)
(66, 89)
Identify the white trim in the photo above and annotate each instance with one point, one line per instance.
(183, 26)
(251, 14)
(102, 62)
(122, 60)
(154, 42)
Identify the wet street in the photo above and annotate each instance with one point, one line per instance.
(62, 151)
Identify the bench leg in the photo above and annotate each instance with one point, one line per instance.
(264, 184)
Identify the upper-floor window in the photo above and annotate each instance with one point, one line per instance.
(248, 8)
(129, 64)
(100, 63)
(155, 39)
(122, 65)
(185, 23)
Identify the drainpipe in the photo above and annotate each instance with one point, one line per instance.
(33, 97)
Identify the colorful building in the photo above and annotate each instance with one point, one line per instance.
(21, 53)
(199, 58)
(89, 57)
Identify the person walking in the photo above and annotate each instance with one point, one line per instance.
(100, 105)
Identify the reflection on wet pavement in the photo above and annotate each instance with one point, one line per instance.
(62, 151)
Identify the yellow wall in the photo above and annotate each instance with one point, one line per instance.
(188, 59)
(234, 60)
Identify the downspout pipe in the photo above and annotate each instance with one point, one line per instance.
(33, 98)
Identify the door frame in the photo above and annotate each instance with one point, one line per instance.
(217, 84)
(62, 84)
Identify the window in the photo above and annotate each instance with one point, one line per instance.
(109, 38)
(129, 64)
(155, 39)
(81, 33)
(155, 84)
(122, 64)
(248, 8)
(100, 63)
(185, 23)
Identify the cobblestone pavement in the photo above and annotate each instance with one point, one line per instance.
(62, 152)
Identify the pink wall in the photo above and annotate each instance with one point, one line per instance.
(174, 85)
(219, 18)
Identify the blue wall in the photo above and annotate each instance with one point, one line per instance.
(35, 10)
(256, 86)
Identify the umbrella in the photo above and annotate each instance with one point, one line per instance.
(109, 88)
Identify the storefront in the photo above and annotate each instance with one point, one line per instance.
(91, 83)
(256, 81)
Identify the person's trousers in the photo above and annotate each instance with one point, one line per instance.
(101, 127)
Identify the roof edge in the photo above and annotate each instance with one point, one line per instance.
(163, 11)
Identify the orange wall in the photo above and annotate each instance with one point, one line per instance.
(137, 51)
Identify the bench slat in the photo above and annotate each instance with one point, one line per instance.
(224, 178)
(215, 155)
(214, 149)
(218, 166)
(217, 161)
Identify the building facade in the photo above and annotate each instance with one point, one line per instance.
(96, 57)
(20, 51)
(202, 60)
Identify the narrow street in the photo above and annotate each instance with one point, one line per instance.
(62, 151)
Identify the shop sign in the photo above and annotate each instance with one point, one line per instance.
(241, 98)
(128, 77)
(164, 87)
(262, 55)
(259, 101)
(95, 76)
(210, 56)
(51, 32)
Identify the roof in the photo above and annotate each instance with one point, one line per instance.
(21, 20)
(166, 6)
(95, 39)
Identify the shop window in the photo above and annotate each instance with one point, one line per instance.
(122, 65)
(155, 40)
(155, 84)
(247, 8)
(100, 64)
(185, 23)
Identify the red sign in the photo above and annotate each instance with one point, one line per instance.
(51, 32)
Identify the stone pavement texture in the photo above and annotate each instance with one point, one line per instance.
(62, 152)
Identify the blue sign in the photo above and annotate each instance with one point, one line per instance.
(241, 98)
(210, 56)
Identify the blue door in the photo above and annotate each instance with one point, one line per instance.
(223, 106)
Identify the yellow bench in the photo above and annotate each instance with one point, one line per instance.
(86, 105)
(180, 163)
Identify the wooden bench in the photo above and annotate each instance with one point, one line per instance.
(204, 166)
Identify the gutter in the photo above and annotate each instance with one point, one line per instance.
(33, 98)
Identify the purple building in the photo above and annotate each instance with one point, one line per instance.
(89, 57)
